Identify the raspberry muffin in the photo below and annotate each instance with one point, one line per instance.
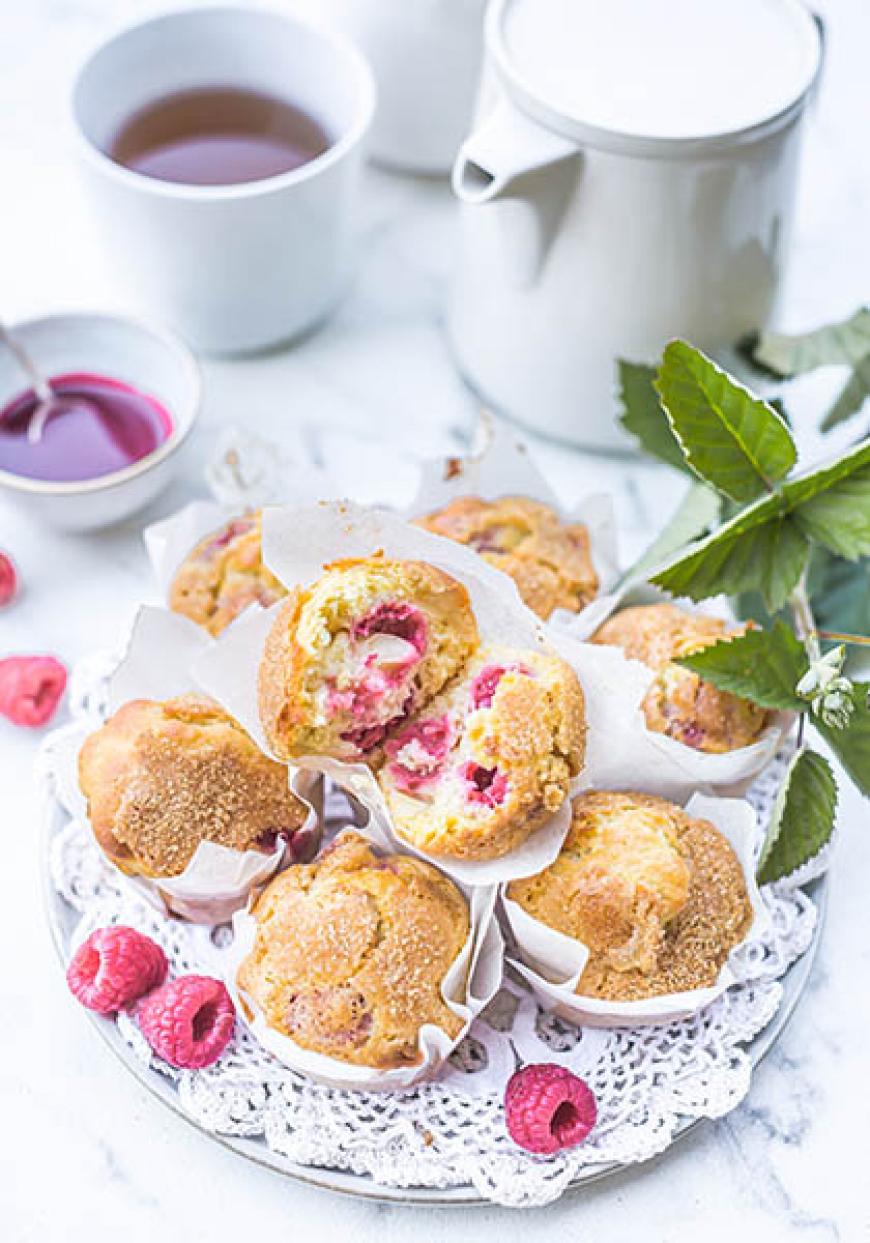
(351, 951)
(160, 778)
(678, 703)
(549, 560)
(351, 657)
(491, 758)
(659, 898)
(223, 574)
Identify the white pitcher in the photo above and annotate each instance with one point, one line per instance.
(631, 179)
(426, 57)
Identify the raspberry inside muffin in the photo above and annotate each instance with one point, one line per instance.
(491, 758)
(549, 560)
(658, 897)
(162, 777)
(678, 702)
(223, 575)
(350, 659)
(351, 951)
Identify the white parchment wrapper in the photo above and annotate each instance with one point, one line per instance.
(296, 545)
(471, 982)
(504, 467)
(552, 963)
(675, 769)
(218, 879)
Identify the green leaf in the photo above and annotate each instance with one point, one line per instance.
(764, 546)
(852, 744)
(761, 665)
(846, 342)
(699, 510)
(768, 557)
(730, 438)
(839, 517)
(802, 820)
(643, 417)
(851, 397)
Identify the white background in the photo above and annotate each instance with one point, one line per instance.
(85, 1153)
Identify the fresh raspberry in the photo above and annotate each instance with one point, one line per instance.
(8, 579)
(188, 1022)
(114, 966)
(30, 689)
(547, 1108)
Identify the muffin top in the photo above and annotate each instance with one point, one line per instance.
(548, 559)
(223, 574)
(491, 758)
(351, 951)
(658, 897)
(162, 777)
(351, 657)
(679, 703)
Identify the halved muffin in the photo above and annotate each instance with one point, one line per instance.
(351, 657)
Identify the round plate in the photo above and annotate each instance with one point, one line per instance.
(63, 918)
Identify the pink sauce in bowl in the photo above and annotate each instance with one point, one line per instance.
(102, 426)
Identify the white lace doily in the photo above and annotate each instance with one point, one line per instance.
(648, 1082)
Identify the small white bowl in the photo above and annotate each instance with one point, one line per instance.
(147, 358)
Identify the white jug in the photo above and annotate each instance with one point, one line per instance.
(425, 55)
(631, 179)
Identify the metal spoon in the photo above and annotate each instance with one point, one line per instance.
(47, 400)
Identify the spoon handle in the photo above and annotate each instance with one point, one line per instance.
(40, 385)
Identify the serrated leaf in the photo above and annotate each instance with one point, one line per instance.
(731, 439)
(802, 819)
(768, 557)
(786, 355)
(852, 744)
(761, 665)
(763, 548)
(700, 509)
(839, 517)
(851, 397)
(642, 415)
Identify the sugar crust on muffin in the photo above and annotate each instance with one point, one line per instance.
(657, 896)
(678, 702)
(223, 574)
(351, 952)
(549, 560)
(161, 777)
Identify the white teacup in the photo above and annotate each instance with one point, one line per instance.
(234, 267)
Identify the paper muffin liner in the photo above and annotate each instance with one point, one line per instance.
(503, 467)
(552, 963)
(297, 543)
(218, 879)
(677, 769)
(471, 982)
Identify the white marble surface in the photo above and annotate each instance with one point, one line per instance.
(85, 1153)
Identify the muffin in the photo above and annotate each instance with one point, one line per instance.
(223, 574)
(491, 758)
(548, 559)
(160, 778)
(355, 654)
(351, 951)
(659, 898)
(678, 702)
